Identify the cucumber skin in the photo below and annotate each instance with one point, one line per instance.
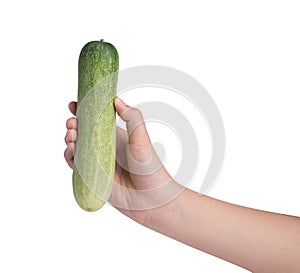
(98, 60)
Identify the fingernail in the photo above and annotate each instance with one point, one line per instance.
(120, 103)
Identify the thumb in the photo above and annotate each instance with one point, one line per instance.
(141, 157)
(135, 123)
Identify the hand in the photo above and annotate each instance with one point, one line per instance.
(256, 240)
(141, 182)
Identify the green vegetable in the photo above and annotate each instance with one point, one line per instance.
(94, 159)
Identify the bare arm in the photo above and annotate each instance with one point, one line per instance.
(256, 240)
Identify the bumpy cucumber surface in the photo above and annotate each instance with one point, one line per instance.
(94, 159)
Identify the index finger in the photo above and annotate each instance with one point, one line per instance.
(72, 107)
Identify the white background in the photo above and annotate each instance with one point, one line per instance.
(245, 53)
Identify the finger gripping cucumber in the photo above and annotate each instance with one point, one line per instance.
(94, 159)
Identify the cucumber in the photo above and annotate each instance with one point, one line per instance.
(94, 158)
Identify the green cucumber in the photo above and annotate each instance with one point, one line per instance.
(94, 159)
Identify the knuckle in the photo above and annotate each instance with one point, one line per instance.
(137, 112)
(136, 115)
(69, 136)
(66, 138)
(71, 123)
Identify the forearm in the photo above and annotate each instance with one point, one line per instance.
(256, 240)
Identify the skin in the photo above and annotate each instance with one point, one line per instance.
(256, 240)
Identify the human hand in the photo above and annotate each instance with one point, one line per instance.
(141, 182)
(143, 189)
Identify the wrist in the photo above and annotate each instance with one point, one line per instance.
(167, 215)
(151, 208)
